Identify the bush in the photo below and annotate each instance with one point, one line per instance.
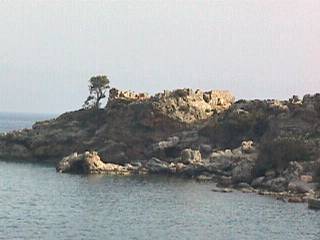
(317, 174)
(230, 129)
(244, 126)
(277, 153)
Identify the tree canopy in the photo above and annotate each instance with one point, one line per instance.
(98, 86)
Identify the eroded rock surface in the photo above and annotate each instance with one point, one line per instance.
(89, 163)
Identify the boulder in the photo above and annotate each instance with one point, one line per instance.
(306, 178)
(180, 167)
(299, 187)
(89, 163)
(222, 160)
(279, 184)
(243, 172)
(224, 181)
(247, 147)
(257, 182)
(205, 149)
(155, 165)
(189, 156)
(270, 174)
(170, 142)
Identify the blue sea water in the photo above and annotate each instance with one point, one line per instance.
(38, 203)
(16, 121)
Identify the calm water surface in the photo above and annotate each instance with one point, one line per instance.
(16, 121)
(38, 203)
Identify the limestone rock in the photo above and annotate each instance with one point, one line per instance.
(247, 147)
(186, 105)
(180, 167)
(170, 142)
(88, 163)
(189, 156)
(115, 94)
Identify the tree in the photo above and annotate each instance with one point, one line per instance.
(98, 86)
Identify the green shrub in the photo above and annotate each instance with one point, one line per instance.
(238, 128)
(317, 173)
(277, 153)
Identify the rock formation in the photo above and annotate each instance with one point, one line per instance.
(89, 163)
(266, 144)
(128, 128)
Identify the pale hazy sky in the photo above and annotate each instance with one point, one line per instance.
(256, 49)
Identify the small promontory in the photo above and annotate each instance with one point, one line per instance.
(269, 145)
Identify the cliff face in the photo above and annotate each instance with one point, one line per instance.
(125, 130)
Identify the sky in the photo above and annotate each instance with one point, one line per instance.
(255, 49)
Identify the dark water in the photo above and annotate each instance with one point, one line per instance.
(38, 203)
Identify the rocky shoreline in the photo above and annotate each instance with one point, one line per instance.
(269, 147)
(292, 186)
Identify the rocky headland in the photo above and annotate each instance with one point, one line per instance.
(266, 146)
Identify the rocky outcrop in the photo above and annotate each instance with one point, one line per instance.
(270, 145)
(189, 156)
(89, 163)
(133, 126)
(189, 106)
(115, 94)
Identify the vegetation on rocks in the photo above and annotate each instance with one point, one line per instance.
(244, 120)
(279, 152)
(317, 173)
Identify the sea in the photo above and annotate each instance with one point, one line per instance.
(38, 203)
